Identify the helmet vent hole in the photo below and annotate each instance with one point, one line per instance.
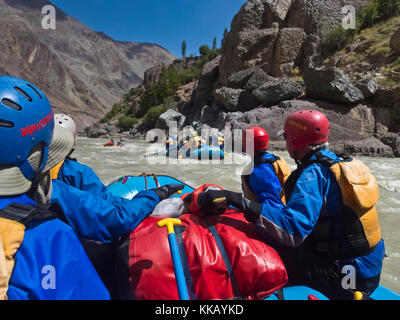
(6, 124)
(22, 92)
(11, 104)
(35, 90)
(318, 129)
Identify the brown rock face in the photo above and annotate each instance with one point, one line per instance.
(82, 72)
(287, 50)
(273, 34)
(318, 16)
(246, 49)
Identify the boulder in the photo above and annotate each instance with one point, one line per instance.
(311, 53)
(275, 91)
(395, 41)
(287, 51)
(331, 85)
(228, 98)
(318, 16)
(249, 79)
(101, 130)
(348, 123)
(366, 147)
(165, 119)
(297, 104)
(209, 74)
(235, 99)
(245, 49)
(386, 103)
(275, 11)
(239, 79)
(249, 17)
(257, 79)
(392, 140)
(368, 87)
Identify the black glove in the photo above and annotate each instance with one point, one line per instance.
(215, 202)
(168, 190)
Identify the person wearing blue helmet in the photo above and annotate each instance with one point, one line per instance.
(40, 255)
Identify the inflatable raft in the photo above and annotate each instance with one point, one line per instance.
(203, 152)
(129, 186)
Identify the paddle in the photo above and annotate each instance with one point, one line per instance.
(176, 258)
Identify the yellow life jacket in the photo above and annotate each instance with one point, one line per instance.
(360, 193)
(13, 219)
(281, 169)
(359, 217)
(55, 170)
(11, 237)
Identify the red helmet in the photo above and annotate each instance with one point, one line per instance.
(306, 127)
(261, 138)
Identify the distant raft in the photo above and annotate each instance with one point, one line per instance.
(204, 151)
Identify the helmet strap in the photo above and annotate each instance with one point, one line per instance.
(36, 181)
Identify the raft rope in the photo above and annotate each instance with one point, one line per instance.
(145, 175)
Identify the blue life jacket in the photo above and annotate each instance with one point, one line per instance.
(51, 263)
(263, 181)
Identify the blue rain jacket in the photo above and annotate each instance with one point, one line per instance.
(291, 224)
(91, 210)
(84, 178)
(51, 263)
(94, 218)
(264, 182)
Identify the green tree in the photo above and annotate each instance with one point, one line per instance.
(204, 50)
(184, 48)
(214, 45)
(126, 122)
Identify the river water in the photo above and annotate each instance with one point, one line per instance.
(110, 163)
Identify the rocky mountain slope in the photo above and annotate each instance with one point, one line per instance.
(83, 72)
(274, 61)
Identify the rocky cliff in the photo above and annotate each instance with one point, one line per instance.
(83, 72)
(272, 63)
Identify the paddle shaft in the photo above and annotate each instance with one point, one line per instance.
(178, 268)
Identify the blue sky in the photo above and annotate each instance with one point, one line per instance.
(164, 22)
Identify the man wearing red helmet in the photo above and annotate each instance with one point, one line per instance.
(269, 172)
(329, 224)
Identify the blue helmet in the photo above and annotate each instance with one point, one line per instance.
(26, 120)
